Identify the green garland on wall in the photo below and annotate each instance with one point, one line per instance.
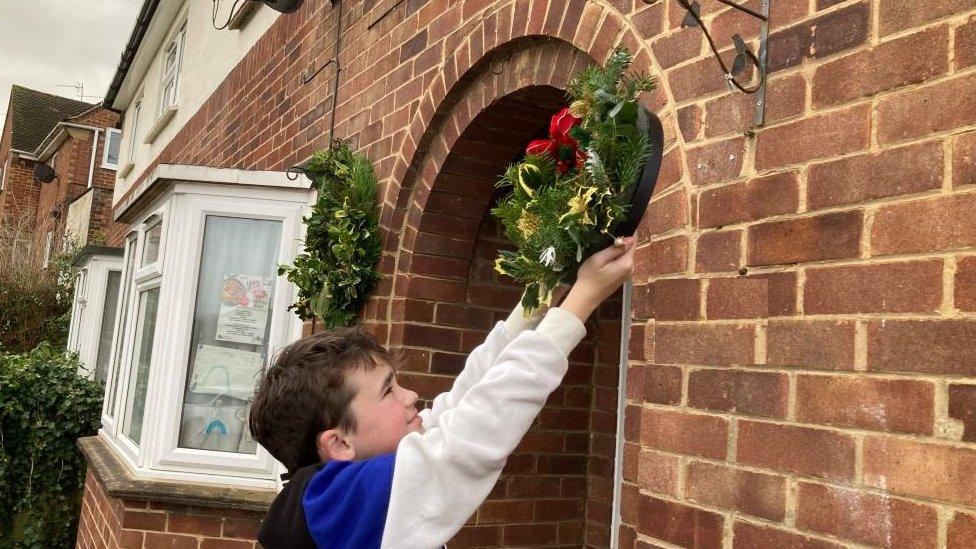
(336, 272)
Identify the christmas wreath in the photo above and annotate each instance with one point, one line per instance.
(337, 270)
(572, 192)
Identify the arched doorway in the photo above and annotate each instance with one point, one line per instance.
(557, 488)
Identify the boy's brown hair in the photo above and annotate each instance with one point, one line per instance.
(305, 392)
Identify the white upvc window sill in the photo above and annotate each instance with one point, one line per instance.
(124, 169)
(161, 123)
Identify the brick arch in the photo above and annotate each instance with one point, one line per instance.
(557, 488)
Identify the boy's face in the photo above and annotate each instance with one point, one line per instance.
(384, 411)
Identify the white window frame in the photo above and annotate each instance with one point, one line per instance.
(119, 339)
(109, 132)
(184, 209)
(130, 154)
(3, 172)
(171, 75)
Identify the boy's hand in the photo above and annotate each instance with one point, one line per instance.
(599, 276)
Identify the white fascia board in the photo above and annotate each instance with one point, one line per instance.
(159, 28)
(204, 174)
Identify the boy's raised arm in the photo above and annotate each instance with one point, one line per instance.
(479, 360)
(442, 476)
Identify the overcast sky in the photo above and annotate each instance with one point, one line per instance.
(49, 42)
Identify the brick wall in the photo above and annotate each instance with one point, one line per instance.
(129, 524)
(806, 372)
(800, 372)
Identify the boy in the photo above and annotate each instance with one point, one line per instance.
(367, 469)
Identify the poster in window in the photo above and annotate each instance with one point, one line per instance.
(243, 309)
(223, 371)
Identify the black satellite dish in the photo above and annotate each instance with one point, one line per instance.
(284, 6)
(44, 173)
(645, 185)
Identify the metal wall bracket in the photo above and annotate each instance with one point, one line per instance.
(744, 55)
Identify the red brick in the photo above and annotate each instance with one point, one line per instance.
(143, 520)
(194, 524)
(712, 344)
(820, 37)
(962, 407)
(170, 541)
(966, 44)
(780, 291)
(736, 112)
(679, 524)
(801, 450)
(677, 47)
(737, 298)
(897, 15)
(718, 251)
(477, 536)
(690, 122)
(440, 289)
(750, 536)
(931, 471)
(241, 528)
(210, 543)
(822, 345)
(926, 225)
(716, 162)
(889, 65)
(683, 433)
(530, 534)
(962, 532)
(669, 255)
(866, 518)
(752, 493)
(739, 392)
(881, 288)
(934, 347)
(431, 336)
(896, 405)
(665, 213)
(820, 136)
(900, 116)
(818, 238)
(697, 79)
(675, 299)
(892, 172)
(657, 472)
(964, 158)
(662, 384)
(749, 200)
(497, 512)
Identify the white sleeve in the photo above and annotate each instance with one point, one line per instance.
(478, 362)
(441, 476)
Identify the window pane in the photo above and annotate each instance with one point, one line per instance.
(130, 259)
(108, 322)
(150, 248)
(139, 372)
(231, 326)
(114, 140)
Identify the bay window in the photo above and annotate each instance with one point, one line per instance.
(94, 308)
(201, 312)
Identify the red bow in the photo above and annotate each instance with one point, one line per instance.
(560, 146)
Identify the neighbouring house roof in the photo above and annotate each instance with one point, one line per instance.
(34, 114)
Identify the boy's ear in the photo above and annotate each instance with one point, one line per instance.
(334, 445)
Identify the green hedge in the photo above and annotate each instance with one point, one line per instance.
(45, 406)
